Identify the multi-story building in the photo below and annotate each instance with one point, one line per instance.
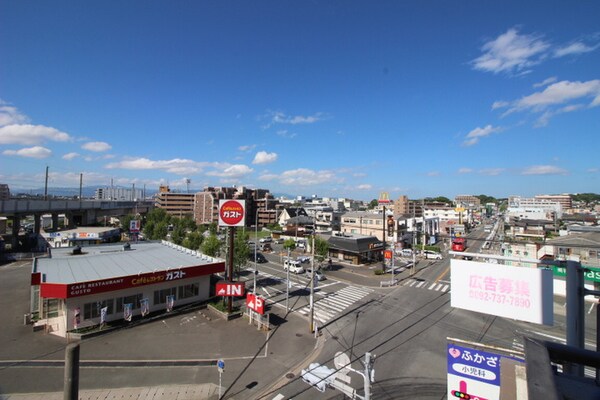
(532, 208)
(119, 194)
(260, 205)
(176, 204)
(563, 199)
(467, 200)
(4, 191)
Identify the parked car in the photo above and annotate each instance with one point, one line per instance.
(294, 266)
(278, 241)
(318, 274)
(260, 258)
(265, 247)
(432, 254)
(301, 244)
(267, 239)
(303, 259)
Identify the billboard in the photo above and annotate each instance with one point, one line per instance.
(476, 372)
(232, 212)
(518, 293)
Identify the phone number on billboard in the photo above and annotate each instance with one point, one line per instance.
(500, 298)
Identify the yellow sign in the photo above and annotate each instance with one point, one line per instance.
(384, 198)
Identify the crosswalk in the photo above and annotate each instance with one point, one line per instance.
(334, 303)
(439, 286)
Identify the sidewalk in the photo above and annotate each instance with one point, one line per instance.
(171, 392)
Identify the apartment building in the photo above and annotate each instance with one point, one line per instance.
(119, 194)
(532, 208)
(563, 199)
(4, 191)
(176, 204)
(467, 200)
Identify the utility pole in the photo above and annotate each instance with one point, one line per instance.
(46, 185)
(80, 185)
(287, 292)
(312, 286)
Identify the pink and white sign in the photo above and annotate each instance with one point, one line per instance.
(520, 293)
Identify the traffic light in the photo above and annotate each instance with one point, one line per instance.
(461, 395)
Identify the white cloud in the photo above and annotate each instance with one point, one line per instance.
(511, 52)
(555, 99)
(29, 135)
(10, 115)
(285, 133)
(175, 166)
(70, 156)
(97, 147)
(247, 148)
(545, 82)
(473, 137)
(279, 117)
(302, 177)
(262, 157)
(574, 48)
(233, 171)
(433, 173)
(30, 152)
(465, 170)
(491, 171)
(543, 170)
(364, 186)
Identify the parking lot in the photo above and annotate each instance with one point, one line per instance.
(175, 349)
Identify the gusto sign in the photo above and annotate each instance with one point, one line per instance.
(232, 212)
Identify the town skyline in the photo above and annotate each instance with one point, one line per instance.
(336, 99)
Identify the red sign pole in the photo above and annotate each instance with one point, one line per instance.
(230, 267)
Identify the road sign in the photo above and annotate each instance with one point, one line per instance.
(255, 303)
(230, 289)
(388, 254)
(134, 226)
(221, 365)
(232, 212)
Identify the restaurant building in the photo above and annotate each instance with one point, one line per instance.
(81, 287)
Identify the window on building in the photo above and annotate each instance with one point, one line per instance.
(134, 300)
(160, 296)
(92, 310)
(51, 307)
(187, 291)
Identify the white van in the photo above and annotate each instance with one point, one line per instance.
(294, 266)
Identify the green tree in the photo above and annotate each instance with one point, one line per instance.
(193, 241)
(125, 220)
(372, 204)
(289, 244)
(241, 251)
(442, 199)
(178, 235)
(148, 229)
(158, 215)
(213, 228)
(160, 231)
(211, 246)
(321, 249)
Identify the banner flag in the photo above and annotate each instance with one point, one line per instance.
(145, 306)
(103, 312)
(170, 302)
(76, 317)
(127, 311)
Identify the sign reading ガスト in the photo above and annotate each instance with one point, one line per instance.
(232, 212)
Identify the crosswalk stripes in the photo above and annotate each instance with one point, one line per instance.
(335, 303)
(422, 284)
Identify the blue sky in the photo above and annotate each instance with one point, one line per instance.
(331, 98)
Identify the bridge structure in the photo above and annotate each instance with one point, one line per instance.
(76, 212)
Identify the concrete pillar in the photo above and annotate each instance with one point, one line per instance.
(37, 223)
(54, 221)
(16, 227)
